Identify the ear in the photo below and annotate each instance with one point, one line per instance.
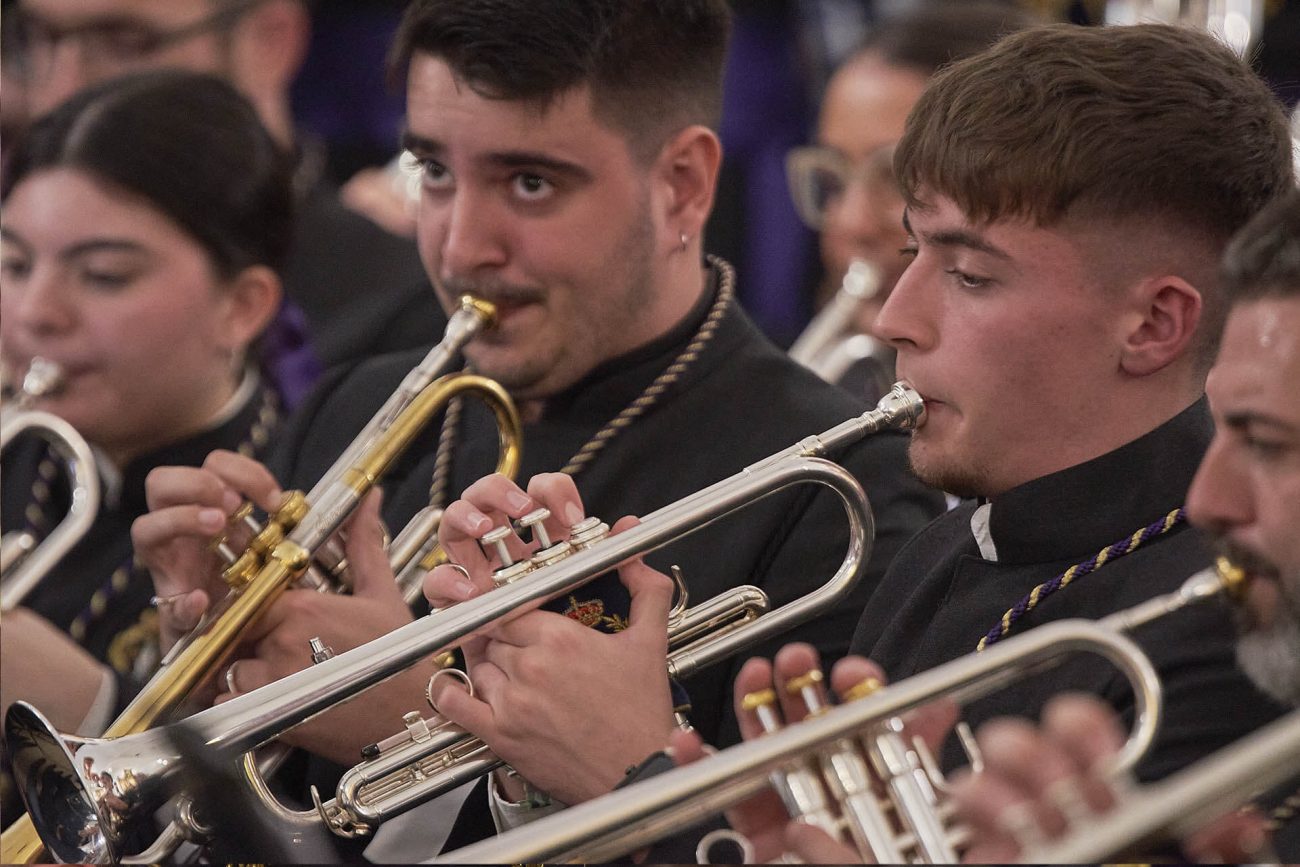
(269, 45)
(687, 168)
(252, 299)
(1162, 328)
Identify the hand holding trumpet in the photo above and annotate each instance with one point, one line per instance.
(764, 821)
(538, 675)
(188, 506)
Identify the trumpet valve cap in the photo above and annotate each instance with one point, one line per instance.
(536, 522)
(587, 532)
(863, 688)
(755, 700)
(496, 537)
(803, 681)
(552, 554)
(512, 573)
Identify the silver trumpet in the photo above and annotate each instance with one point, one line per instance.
(1176, 806)
(830, 345)
(85, 795)
(24, 558)
(431, 756)
(842, 744)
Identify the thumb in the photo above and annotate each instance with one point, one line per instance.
(367, 560)
(651, 592)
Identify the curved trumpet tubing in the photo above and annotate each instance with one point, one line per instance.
(25, 560)
(89, 793)
(282, 551)
(830, 345)
(644, 812)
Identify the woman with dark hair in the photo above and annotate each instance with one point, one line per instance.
(144, 225)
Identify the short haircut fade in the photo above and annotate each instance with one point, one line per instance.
(1140, 121)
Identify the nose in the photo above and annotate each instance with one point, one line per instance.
(908, 320)
(471, 231)
(43, 305)
(1219, 499)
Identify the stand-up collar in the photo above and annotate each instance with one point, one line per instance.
(1077, 511)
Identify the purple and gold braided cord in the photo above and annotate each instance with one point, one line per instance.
(1111, 552)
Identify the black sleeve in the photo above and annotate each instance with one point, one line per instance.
(811, 545)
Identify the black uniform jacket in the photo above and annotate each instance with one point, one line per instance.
(941, 596)
(738, 402)
(94, 592)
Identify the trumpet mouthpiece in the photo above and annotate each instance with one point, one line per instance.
(903, 407)
(43, 378)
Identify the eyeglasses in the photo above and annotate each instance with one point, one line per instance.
(819, 177)
(107, 45)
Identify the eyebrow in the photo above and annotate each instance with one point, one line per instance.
(81, 248)
(509, 159)
(1242, 419)
(956, 238)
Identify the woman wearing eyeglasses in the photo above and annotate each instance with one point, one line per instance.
(144, 223)
(843, 186)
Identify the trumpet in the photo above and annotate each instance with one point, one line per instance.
(24, 558)
(281, 552)
(843, 744)
(85, 795)
(830, 345)
(432, 756)
(1181, 803)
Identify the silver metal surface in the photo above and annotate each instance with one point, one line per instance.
(24, 560)
(630, 818)
(91, 792)
(1182, 803)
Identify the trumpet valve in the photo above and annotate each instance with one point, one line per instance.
(548, 552)
(509, 571)
(587, 532)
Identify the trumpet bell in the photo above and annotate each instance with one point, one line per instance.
(84, 794)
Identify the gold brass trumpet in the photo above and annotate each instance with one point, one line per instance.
(1179, 804)
(281, 552)
(86, 794)
(845, 748)
(25, 559)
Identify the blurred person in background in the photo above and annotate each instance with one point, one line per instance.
(131, 261)
(843, 186)
(361, 288)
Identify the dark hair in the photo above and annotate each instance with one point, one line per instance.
(1263, 260)
(1110, 122)
(653, 66)
(188, 144)
(930, 35)
(1104, 123)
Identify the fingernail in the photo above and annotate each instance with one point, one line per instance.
(478, 521)
(518, 501)
(212, 519)
(572, 514)
(464, 590)
(230, 501)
